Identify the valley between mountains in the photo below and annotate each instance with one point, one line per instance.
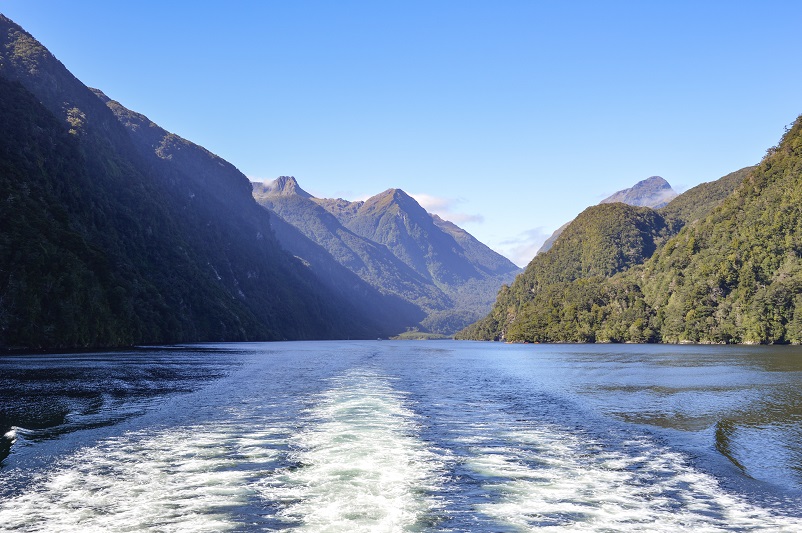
(116, 232)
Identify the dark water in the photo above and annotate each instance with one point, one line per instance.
(403, 436)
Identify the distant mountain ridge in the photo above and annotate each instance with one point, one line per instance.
(654, 192)
(390, 241)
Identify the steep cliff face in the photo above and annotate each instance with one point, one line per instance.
(137, 235)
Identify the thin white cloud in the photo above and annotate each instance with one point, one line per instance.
(445, 209)
(522, 248)
(434, 204)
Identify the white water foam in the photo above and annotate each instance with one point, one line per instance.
(553, 480)
(360, 466)
(11, 434)
(185, 479)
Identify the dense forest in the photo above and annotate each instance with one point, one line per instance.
(719, 264)
(682, 273)
(116, 232)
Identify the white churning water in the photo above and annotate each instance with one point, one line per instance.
(356, 465)
(552, 480)
(354, 461)
(184, 479)
(359, 465)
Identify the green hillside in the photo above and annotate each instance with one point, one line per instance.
(601, 241)
(624, 274)
(116, 232)
(736, 275)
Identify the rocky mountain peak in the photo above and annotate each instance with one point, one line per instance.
(281, 186)
(397, 197)
(654, 192)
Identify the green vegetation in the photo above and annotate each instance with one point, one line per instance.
(116, 232)
(420, 336)
(603, 240)
(720, 263)
(392, 243)
(736, 276)
(696, 203)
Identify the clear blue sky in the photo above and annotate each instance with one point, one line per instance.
(511, 117)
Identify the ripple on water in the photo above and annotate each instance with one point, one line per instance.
(355, 461)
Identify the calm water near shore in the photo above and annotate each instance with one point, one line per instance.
(403, 436)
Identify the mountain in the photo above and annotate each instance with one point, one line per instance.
(697, 202)
(548, 243)
(654, 192)
(116, 232)
(736, 274)
(590, 285)
(601, 241)
(391, 242)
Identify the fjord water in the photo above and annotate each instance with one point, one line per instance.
(403, 436)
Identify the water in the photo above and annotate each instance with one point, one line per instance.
(403, 436)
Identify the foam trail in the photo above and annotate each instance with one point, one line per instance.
(184, 479)
(553, 480)
(360, 465)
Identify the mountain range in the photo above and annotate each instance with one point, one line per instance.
(399, 248)
(718, 264)
(117, 232)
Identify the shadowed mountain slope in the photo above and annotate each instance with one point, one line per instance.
(391, 242)
(117, 232)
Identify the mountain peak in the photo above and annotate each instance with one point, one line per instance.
(281, 186)
(654, 192)
(398, 197)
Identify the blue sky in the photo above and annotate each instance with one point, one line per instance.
(506, 117)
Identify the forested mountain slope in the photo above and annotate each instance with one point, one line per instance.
(736, 275)
(593, 284)
(654, 192)
(391, 242)
(116, 232)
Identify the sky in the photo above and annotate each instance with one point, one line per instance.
(506, 117)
